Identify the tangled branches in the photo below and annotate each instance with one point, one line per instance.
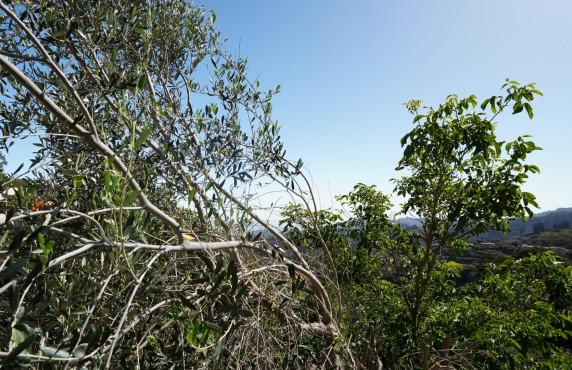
(150, 250)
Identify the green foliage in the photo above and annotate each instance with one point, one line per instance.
(538, 227)
(562, 225)
(400, 296)
(463, 181)
(525, 312)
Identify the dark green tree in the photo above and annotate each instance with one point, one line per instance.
(562, 225)
(538, 227)
(461, 180)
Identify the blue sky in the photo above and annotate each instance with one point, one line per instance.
(346, 68)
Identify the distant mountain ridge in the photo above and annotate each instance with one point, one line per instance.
(518, 226)
(561, 209)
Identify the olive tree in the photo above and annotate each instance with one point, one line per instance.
(133, 238)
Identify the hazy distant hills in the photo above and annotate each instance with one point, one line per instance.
(549, 219)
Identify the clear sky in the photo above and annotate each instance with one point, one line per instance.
(346, 68)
